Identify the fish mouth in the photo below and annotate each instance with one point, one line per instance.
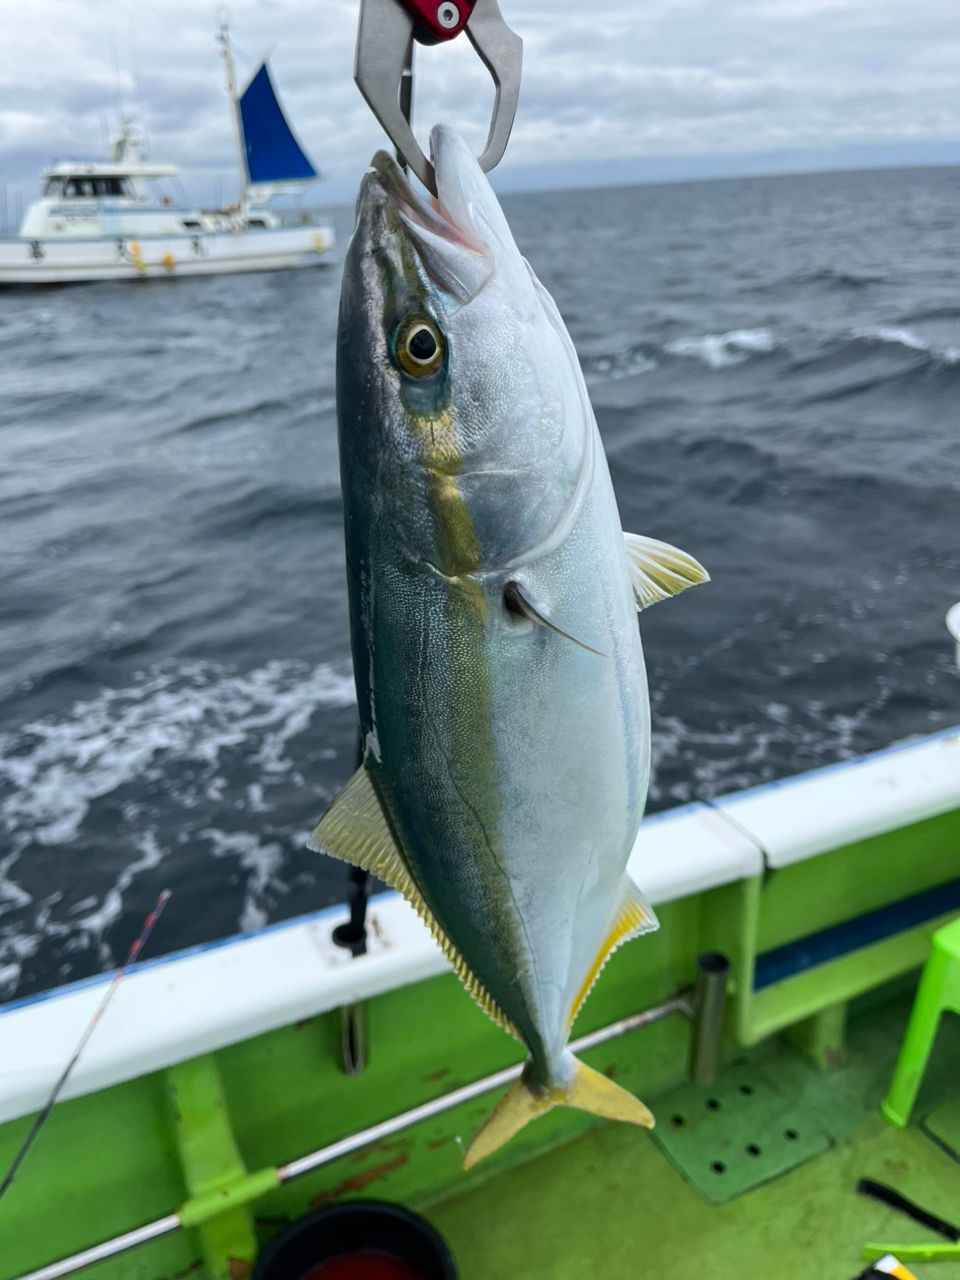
(422, 212)
(441, 229)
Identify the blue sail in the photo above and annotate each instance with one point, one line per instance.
(273, 153)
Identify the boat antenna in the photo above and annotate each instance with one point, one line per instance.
(132, 955)
(223, 39)
(118, 91)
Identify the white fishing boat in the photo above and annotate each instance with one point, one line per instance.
(107, 220)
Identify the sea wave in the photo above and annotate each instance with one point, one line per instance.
(182, 749)
(720, 350)
(900, 337)
(53, 769)
(625, 363)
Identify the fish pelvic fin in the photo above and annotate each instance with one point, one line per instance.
(357, 829)
(634, 917)
(659, 570)
(588, 1091)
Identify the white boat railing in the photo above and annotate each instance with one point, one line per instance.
(953, 626)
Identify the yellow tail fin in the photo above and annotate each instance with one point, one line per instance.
(590, 1091)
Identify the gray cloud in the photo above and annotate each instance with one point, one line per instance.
(639, 86)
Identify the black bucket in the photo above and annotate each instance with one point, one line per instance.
(359, 1240)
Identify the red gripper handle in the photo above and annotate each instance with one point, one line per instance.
(440, 19)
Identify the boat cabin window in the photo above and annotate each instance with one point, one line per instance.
(87, 187)
(54, 188)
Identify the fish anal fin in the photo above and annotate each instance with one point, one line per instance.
(356, 830)
(659, 570)
(634, 917)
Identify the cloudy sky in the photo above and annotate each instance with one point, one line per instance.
(613, 89)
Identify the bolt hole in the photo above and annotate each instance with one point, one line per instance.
(746, 1090)
(677, 1121)
(718, 1166)
(753, 1149)
(713, 1104)
(791, 1135)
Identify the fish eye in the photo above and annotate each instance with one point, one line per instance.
(420, 347)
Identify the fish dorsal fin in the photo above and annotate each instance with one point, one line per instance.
(356, 829)
(634, 917)
(659, 570)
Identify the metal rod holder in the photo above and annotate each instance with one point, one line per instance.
(709, 1003)
(352, 936)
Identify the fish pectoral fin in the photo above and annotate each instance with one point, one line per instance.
(588, 1091)
(659, 570)
(634, 917)
(356, 830)
(516, 600)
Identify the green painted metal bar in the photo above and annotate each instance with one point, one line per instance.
(785, 1003)
(199, 1090)
(913, 1252)
(821, 1037)
(220, 1186)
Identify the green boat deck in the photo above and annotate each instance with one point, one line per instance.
(199, 1130)
(610, 1203)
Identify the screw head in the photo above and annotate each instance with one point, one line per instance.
(448, 14)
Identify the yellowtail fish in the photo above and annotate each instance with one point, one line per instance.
(493, 597)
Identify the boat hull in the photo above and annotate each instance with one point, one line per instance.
(75, 261)
(214, 1069)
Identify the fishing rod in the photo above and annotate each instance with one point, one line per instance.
(352, 935)
(132, 955)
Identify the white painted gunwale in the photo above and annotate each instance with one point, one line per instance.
(826, 809)
(178, 1006)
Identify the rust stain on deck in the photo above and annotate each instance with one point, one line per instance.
(399, 1144)
(359, 1181)
(438, 1074)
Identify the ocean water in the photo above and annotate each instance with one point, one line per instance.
(775, 366)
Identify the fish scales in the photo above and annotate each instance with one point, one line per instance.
(500, 677)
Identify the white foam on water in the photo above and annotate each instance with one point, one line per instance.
(263, 861)
(612, 367)
(171, 727)
(102, 915)
(907, 338)
(721, 350)
(55, 768)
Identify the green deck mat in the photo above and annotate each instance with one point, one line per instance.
(610, 1204)
(733, 1137)
(943, 1125)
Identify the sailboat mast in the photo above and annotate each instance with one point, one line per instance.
(224, 39)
